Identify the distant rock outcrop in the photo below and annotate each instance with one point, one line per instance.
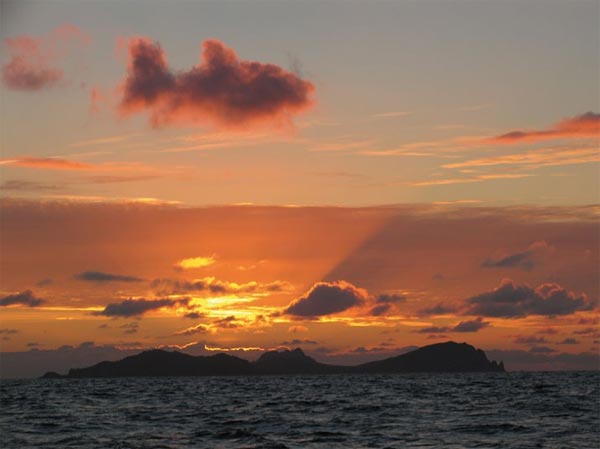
(441, 357)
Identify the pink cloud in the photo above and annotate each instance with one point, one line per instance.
(584, 125)
(34, 61)
(222, 90)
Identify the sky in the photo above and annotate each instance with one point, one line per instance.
(355, 178)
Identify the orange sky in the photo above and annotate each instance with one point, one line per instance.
(354, 182)
(96, 266)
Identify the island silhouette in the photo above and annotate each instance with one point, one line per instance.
(437, 358)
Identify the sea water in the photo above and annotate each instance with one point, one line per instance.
(484, 410)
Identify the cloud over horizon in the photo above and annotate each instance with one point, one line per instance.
(99, 276)
(136, 307)
(222, 91)
(326, 298)
(25, 298)
(514, 301)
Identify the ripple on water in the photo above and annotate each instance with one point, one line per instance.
(524, 410)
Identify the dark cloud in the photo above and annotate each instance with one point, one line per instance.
(130, 328)
(524, 260)
(529, 340)
(33, 344)
(135, 307)
(541, 350)
(433, 330)
(520, 260)
(514, 301)
(587, 331)
(99, 276)
(7, 331)
(166, 287)
(27, 186)
(229, 322)
(326, 298)
(438, 309)
(222, 90)
(44, 282)
(569, 341)
(515, 360)
(197, 329)
(25, 298)
(470, 326)
(193, 315)
(393, 299)
(297, 341)
(380, 309)
(464, 326)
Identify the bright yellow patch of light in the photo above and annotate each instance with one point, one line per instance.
(238, 348)
(196, 262)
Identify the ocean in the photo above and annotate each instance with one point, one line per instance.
(483, 410)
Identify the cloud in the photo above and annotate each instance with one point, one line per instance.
(297, 341)
(584, 125)
(136, 307)
(193, 315)
(99, 276)
(541, 350)
(532, 159)
(6, 331)
(50, 163)
(520, 260)
(474, 325)
(214, 286)
(195, 262)
(514, 301)
(468, 180)
(326, 298)
(569, 341)
(25, 298)
(197, 329)
(297, 329)
(130, 328)
(523, 260)
(470, 326)
(528, 340)
(390, 299)
(26, 186)
(438, 309)
(516, 360)
(222, 90)
(34, 61)
(380, 309)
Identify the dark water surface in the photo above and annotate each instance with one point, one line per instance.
(520, 410)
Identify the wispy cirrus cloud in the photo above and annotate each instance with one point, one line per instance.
(545, 157)
(35, 61)
(471, 179)
(49, 163)
(222, 91)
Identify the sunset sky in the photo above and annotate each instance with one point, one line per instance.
(354, 178)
